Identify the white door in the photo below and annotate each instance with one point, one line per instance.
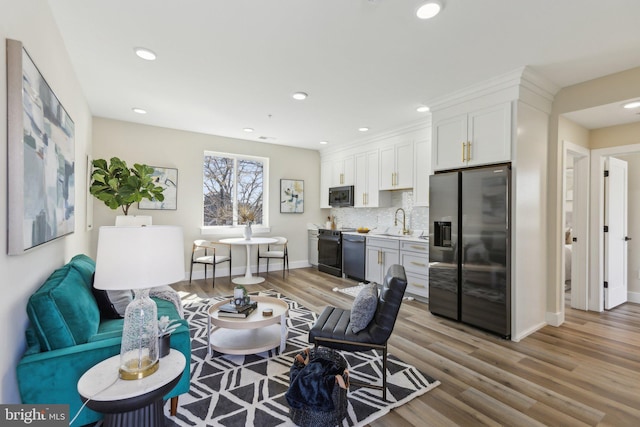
(615, 239)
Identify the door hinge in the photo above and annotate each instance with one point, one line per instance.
(606, 228)
(606, 174)
(606, 284)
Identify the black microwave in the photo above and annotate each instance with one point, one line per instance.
(341, 196)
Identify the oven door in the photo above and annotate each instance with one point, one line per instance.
(330, 253)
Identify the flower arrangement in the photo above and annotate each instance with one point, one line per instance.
(166, 327)
(246, 214)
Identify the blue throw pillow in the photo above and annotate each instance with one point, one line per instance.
(364, 307)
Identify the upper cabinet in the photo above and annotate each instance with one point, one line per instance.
(366, 180)
(478, 137)
(396, 166)
(342, 171)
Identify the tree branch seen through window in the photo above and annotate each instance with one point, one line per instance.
(233, 190)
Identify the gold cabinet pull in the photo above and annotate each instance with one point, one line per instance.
(420, 248)
(379, 257)
(464, 147)
(416, 285)
(419, 264)
(468, 151)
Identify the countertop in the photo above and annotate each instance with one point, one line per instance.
(413, 237)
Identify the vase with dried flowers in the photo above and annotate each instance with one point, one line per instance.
(247, 216)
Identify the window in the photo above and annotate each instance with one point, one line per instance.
(234, 189)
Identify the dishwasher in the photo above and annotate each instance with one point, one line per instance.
(353, 256)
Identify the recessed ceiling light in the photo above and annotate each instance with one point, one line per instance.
(145, 53)
(422, 109)
(429, 9)
(139, 110)
(323, 142)
(363, 129)
(631, 105)
(248, 129)
(300, 96)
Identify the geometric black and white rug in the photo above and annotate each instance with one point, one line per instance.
(235, 390)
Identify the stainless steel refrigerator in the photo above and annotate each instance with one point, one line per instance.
(470, 247)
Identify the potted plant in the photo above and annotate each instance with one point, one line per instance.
(165, 328)
(119, 186)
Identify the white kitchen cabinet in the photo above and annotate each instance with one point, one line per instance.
(313, 247)
(396, 166)
(422, 170)
(366, 182)
(342, 171)
(381, 254)
(478, 137)
(414, 257)
(325, 183)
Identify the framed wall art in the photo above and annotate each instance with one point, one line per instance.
(41, 154)
(291, 196)
(166, 178)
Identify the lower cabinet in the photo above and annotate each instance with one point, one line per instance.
(381, 254)
(414, 257)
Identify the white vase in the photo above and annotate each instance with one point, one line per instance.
(247, 232)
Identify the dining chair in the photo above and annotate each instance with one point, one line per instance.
(277, 250)
(209, 253)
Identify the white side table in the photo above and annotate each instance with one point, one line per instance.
(248, 278)
(130, 402)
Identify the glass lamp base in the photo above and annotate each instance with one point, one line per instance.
(139, 347)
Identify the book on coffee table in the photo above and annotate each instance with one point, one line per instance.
(241, 314)
(236, 309)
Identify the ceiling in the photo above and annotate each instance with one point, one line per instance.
(226, 65)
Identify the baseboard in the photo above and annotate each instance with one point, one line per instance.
(528, 332)
(554, 319)
(633, 297)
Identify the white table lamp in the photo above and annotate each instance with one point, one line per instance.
(139, 258)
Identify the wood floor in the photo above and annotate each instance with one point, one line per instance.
(584, 373)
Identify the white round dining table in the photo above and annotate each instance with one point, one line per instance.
(248, 278)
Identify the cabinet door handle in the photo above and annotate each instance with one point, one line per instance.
(464, 147)
(367, 198)
(419, 264)
(468, 151)
(379, 257)
(420, 248)
(416, 285)
(341, 178)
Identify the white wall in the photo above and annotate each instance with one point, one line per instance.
(31, 23)
(183, 150)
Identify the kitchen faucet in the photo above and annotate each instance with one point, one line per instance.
(404, 218)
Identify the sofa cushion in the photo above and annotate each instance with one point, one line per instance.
(112, 304)
(85, 266)
(63, 311)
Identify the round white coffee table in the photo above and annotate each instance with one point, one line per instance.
(250, 335)
(248, 278)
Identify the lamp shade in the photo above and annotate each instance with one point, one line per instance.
(139, 257)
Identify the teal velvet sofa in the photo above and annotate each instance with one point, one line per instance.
(67, 336)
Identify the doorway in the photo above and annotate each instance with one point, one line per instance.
(597, 246)
(575, 217)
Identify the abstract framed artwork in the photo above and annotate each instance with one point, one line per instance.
(166, 178)
(41, 154)
(291, 196)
